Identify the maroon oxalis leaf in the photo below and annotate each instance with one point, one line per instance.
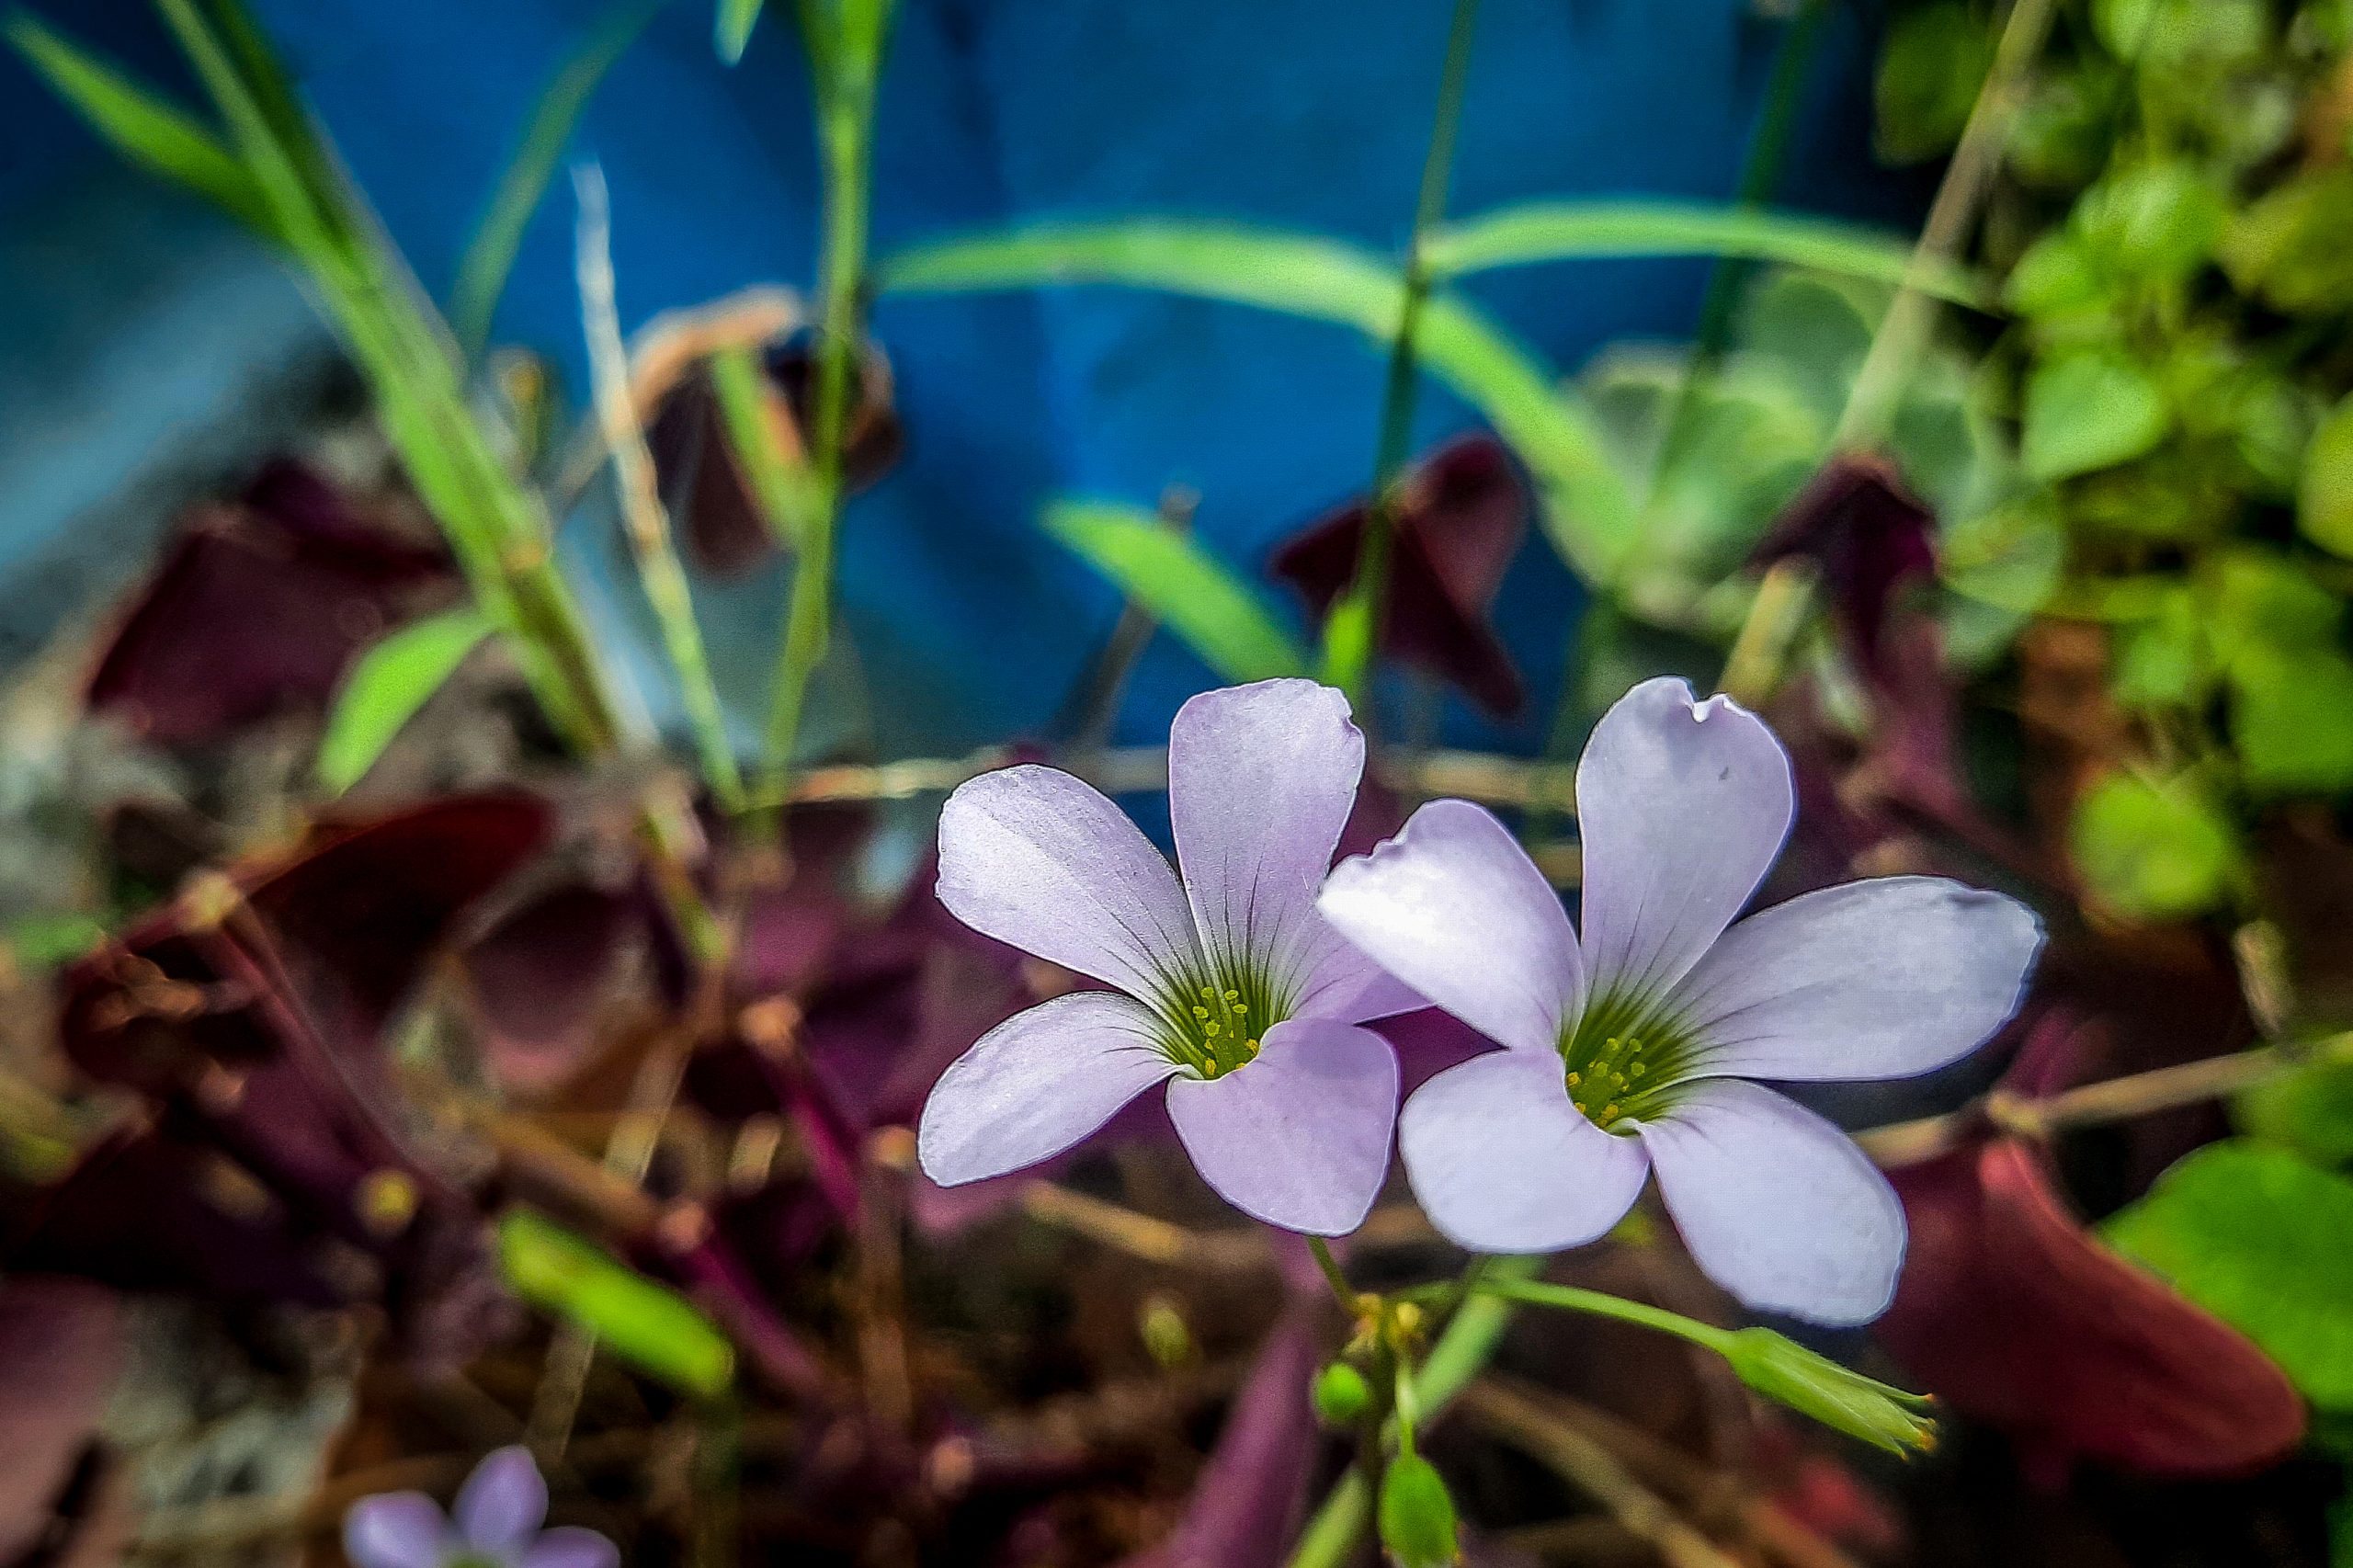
(1868, 534)
(2015, 1313)
(727, 531)
(255, 610)
(537, 977)
(1246, 1499)
(59, 1348)
(1459, 520)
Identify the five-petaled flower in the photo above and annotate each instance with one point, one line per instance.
(1628, 1046)
(1231, 988)
(495, 1524)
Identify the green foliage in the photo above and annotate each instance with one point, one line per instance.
(2257, 1236)
(2324, 488)
(1933, 64)
(2309, 1110)
(1416, 1515)
(646, 1323)
(2154, 848)
(139, 123)
(2293, 248)
(1218, 615)
(490, 254)
(386, 687)
(2091, 409)
(736, 19)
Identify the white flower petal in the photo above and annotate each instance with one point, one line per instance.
(1261, 778)
(1878, 978)
(1034, 858)
(1454, 907)
(1681, 806)
(1037, 1084)
(1777, 1206)
(1298, 1138)
(1502, 1162)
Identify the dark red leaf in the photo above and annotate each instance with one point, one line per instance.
(1459, 520)
(1867, 533)
(255, 610)
(538, 978)
(2013, 1313)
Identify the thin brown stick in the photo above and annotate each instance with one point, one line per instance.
(1592, 1469)
(2095, 1105)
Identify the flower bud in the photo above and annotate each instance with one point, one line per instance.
(1785, 1371)
(1342, 1396)
(1417, 1515)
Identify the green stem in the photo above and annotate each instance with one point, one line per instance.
(1342, 1291)
(1461, 1352)
(846, 50)
(1600, 1303)
(1352, 629)
(646, 522)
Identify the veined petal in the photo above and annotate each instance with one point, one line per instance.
(1034, 858)
(1347, 984)
(1777, 1206)
(503, 1504)
(1502, 1162)
(1454, 907)
(1037, 1084)
(1299, 1136)
(1682, 806)
(1260, 780)
(396, 1530)
(571, 1547)
(1872, 980)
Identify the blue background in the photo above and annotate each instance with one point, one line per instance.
(169, 341)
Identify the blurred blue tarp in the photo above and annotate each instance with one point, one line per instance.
(1307, 113)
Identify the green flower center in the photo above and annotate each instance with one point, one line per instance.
(1623, 1058)
(1214, 1021)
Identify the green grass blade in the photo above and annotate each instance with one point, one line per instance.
(1589, 511)
(139, 123)
(781, 476)
(737, 18)
(523, 184)
(1535, 232)
(640, 1320)
(386, 687)
(1216, 614)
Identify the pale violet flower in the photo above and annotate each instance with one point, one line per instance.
(1628, 1046)
(495, 1524)
(1232, 990)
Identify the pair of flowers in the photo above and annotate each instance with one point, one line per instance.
(1628, 1046)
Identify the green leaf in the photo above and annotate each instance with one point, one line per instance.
(646, 1323)
(2060, 276)
(2324, 489)
(1534, 232)
(736, 19)
(2153, 849)
(1931, 69)
(2158, 220)
(2309, 1110)
(2165, 661)
(2087, 410)
(2291, 719)
(387, 686)
(1416, 1516)
(142, 125)
(2292, 247)
(490, 254)
(2257, 1237)
(1218, 616)
(1588, 511)
(787, 487)
(2259, 600)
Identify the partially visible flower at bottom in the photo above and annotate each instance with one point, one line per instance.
(495, 1523)
(1628, 1045)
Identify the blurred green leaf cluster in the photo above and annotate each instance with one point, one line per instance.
(2172, 225)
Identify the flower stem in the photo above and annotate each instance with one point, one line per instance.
(1600, 1303)
(1471, 1336)
(1342, 1291)
(1353, 626)
(845, 43)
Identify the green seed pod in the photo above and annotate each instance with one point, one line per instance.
(1342, 1395)
(1417, 1515)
